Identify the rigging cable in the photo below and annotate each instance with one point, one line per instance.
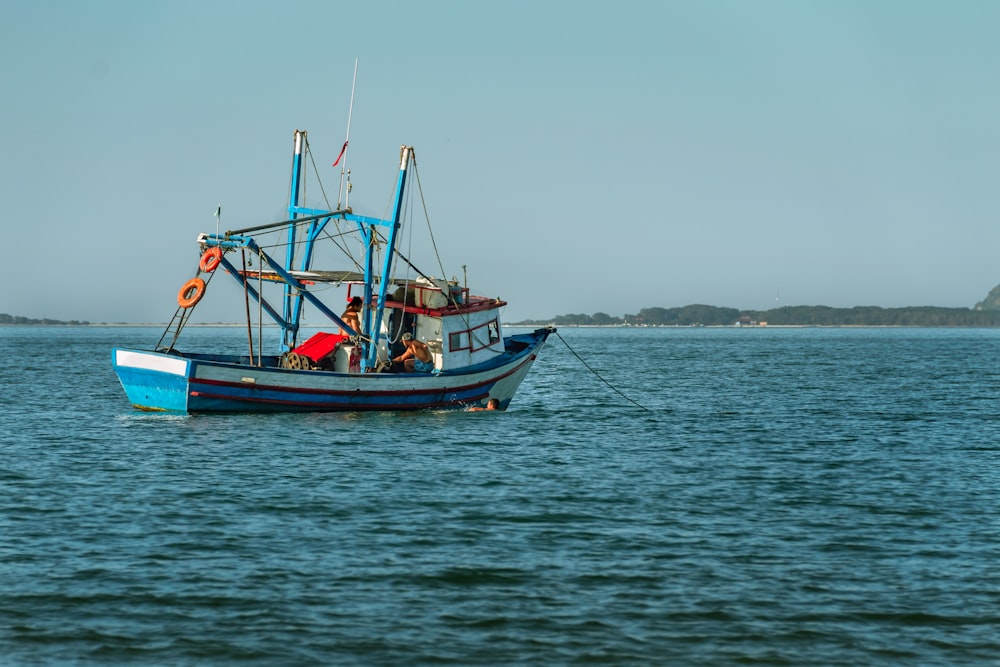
(260, 307)
(347, 140)
(405, 215)
(427, 217)
(430, 232)
(246, 301)
(326, 200)
(613, 388)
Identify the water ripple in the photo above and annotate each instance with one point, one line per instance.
(790, 497)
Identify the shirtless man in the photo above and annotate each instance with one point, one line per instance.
(417, 357)
(352, 316)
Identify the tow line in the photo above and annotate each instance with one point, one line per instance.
(587, 366)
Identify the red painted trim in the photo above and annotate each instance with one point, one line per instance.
(479, 304)
(345, 407)
(356, 392)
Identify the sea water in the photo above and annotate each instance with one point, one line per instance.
(652, 496)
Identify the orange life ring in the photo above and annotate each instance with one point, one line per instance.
(191, 293)
(210, 260)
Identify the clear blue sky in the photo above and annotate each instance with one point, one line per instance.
(577, 157)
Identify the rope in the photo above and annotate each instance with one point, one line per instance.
(427, 217)
(246, 300)
(312, 159)
(326, 200)
(437, 255)
(613, 388)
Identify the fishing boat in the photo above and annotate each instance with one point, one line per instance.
(467, 360)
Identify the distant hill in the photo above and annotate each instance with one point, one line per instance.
(15, 319)
(694, 315)
(985, 314)
(992, 300)
(918, 316)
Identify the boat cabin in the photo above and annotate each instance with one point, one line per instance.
(459, 330)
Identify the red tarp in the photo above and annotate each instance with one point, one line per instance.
(320, 345)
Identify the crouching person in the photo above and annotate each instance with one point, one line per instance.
(417, 357)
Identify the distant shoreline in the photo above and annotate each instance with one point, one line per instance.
(765, 325)
(519, 325)
(121, 324)
(694, 315)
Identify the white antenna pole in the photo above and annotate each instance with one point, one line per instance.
(343, 167)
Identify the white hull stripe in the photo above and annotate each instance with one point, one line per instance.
(151, 362)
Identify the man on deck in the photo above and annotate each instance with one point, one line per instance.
(417, 357)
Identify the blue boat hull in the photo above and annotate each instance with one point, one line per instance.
(202, 383)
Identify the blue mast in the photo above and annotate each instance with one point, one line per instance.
(371, 357)
(291, 313)
(294, 292)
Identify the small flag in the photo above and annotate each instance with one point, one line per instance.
(341, 154)
(218, 211)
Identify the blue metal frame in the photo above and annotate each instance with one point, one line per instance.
(371, 356)
(292, 314)
(294, 292)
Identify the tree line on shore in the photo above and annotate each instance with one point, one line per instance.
(698, 314)
(17, 319)
(985, 314)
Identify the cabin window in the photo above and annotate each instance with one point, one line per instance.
(476, 338)
(459, 341)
